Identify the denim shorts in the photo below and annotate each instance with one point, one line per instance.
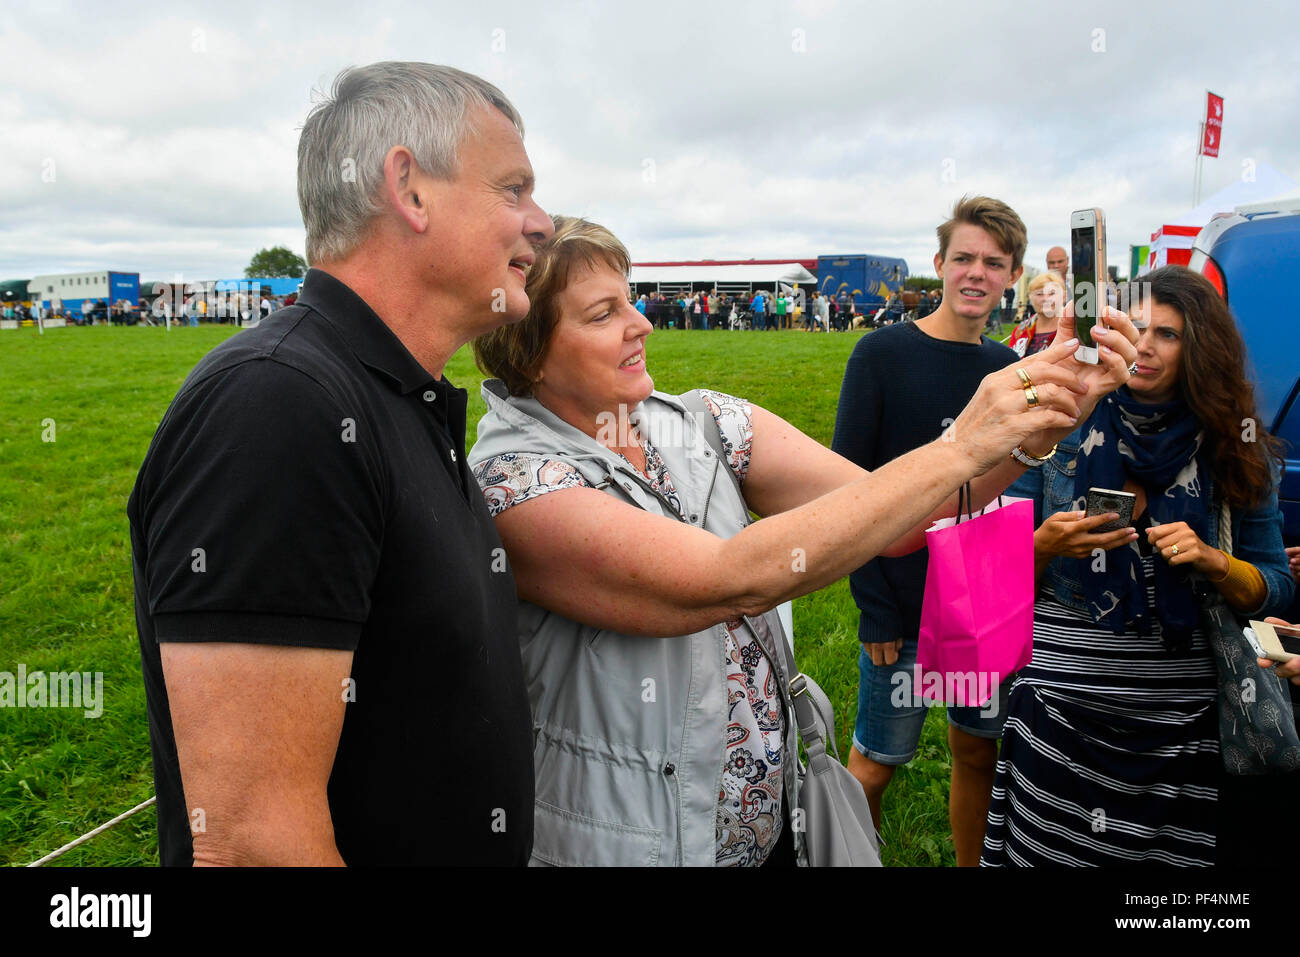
(891, 714)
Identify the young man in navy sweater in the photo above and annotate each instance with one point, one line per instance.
(904, 385)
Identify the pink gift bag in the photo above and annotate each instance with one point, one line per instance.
(977, 616)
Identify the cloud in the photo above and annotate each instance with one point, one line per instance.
(776, 129)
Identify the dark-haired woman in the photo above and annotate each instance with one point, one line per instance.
(1110, 754)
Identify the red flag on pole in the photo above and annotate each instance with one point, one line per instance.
(1213, 128)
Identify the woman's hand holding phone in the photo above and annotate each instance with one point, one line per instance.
(1000, 415)
(1289, 670)
(1115, 355)
(1074, 535)
(1116, 351)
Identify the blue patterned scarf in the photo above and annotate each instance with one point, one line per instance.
(1157, 446)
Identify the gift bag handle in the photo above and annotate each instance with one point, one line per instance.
(964, 495)
(963, 499)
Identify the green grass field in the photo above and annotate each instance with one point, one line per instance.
(66, 600)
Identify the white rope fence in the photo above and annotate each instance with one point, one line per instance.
(89, 834)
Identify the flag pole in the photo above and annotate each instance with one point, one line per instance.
(1200, 162)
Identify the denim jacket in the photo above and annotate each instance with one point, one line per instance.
(1256, 533)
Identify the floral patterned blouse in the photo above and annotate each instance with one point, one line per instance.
(749, 801)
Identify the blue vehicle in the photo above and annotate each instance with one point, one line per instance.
(124, 285)
(1252, 258)
(869, 279)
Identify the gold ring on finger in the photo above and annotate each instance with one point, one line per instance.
(1031, 396)
(1175, 551)
(1024, 378)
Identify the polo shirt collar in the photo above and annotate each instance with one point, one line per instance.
(369, 336)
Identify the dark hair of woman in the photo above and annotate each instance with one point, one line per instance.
(1214, 384)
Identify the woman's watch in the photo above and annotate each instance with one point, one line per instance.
(1031, 461)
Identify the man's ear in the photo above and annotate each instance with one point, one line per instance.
(938, 265)
(405, 185)
(1015, 276)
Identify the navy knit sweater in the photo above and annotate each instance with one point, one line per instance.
(901, 389)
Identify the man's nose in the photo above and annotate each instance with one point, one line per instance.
(538, 226)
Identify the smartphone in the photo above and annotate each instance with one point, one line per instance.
(1278, 643)
(1091, 286)
(1103, 500)
(1253, 640)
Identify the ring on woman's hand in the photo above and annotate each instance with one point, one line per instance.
(1175, 551)
(1031, 396)
(1133, 368)
(1024, 378)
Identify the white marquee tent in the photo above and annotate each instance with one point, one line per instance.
(1172, 242)
(1266, 183)
(755, 275)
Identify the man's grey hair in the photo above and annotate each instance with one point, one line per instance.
(370, 109)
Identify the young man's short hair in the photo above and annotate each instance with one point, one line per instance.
(994, 217)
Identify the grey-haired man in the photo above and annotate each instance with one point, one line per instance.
(324, 609)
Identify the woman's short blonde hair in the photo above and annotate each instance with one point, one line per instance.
(514, 352)
(1043, 278)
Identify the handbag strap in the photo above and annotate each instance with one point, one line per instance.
(1225, 528)
(815, 716)
(696, 405)
(812, 709)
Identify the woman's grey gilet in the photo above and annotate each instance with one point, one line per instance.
(630, 731)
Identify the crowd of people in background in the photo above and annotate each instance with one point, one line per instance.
(245, 308)
(766, 310)
(760, 310)
(191, 310)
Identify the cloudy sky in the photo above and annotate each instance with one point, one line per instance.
(161, 138)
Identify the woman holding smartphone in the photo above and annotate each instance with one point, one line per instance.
(647, 619)
(1110, 752)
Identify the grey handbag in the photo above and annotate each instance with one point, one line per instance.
(838, 830)
(832, 813)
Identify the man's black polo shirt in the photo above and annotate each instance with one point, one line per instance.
(308, 487)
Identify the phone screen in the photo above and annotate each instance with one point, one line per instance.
(1082, 259)
(1289, 638)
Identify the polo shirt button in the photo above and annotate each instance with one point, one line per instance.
(695, 518)
(669, 769)
(430, 395)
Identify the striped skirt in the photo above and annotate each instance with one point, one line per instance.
(1110, 754)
